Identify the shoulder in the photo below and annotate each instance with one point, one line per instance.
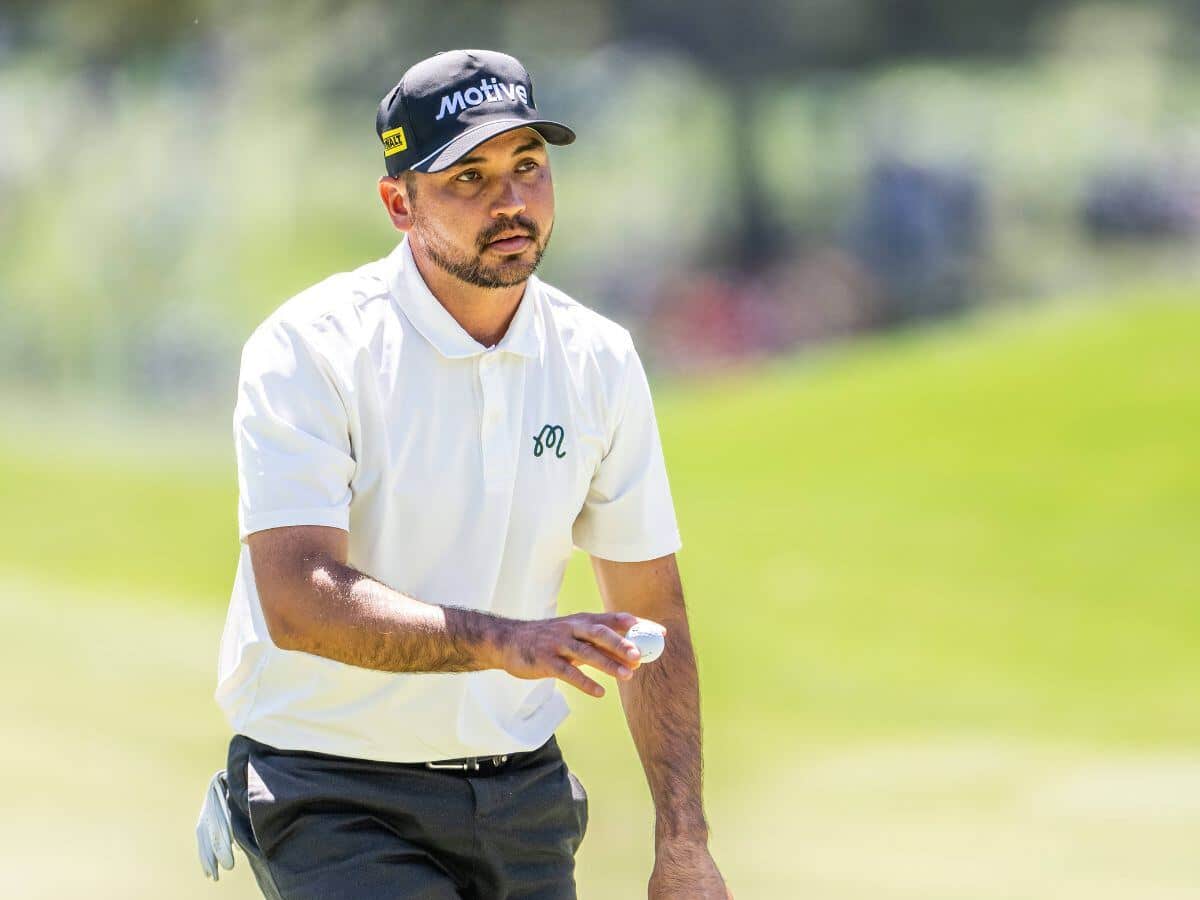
(585, 331)
(599, 352)
(327, 319)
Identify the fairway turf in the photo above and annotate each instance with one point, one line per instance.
(942, 586)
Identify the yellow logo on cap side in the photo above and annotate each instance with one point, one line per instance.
(394, 142)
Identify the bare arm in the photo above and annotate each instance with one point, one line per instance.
(662, 707)
(314, 602)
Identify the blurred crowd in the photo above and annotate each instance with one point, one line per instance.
(169, 175)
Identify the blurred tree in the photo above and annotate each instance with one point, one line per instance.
(331, 51)
(104, 35)
(751, 47)
(743, 47)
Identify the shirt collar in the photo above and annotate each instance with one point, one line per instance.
(524, 335)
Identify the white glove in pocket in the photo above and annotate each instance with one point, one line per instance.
(214, 835)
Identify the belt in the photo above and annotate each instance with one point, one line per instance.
(487, 764)
(470, 763)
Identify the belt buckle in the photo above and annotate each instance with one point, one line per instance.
(471, 763)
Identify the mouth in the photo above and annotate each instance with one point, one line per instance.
(514, 243)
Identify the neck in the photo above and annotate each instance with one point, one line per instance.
(483, 313)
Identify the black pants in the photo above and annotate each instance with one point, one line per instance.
(322, 827)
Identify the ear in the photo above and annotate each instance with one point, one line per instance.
(395, 201)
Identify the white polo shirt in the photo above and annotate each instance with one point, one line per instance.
(464, 475)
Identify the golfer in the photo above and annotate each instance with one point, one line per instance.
(421, 443)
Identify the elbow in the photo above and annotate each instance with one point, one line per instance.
(289, 605)
(286, 604)
(293, 580)
(281, 625)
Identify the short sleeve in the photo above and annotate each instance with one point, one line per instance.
(629, 514)
(291, 436)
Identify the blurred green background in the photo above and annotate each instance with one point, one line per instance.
(917, 286)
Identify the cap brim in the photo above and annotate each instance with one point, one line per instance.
(450, 153)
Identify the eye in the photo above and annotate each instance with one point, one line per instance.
(468, 176)
(528, 165)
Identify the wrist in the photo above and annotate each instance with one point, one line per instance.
(497, 635)
(692, 835)
(478, 637)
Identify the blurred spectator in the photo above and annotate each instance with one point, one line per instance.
(920, 231)
(1143, 201)
(704, 320)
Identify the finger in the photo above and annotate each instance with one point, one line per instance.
(224, 849)
(206, 861)
(601, 635)
(211, 851)
(568, 673)
(222, 792)
(223, 829)
(586, 653)
(618, 621)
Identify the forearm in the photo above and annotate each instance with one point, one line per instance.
(338, 612)
(662, 707)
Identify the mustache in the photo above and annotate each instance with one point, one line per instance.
(522, 223)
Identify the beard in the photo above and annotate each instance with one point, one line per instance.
(471, 267)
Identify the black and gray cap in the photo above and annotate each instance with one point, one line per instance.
(445, 106)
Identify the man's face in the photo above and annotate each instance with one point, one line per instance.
(487, 219)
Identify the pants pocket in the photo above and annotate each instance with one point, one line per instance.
(274, 797)
(579, 800)
(258, 800)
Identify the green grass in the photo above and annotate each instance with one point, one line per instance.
(942, 586)
(990, 526)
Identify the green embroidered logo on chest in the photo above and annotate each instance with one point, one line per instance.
(551, 436)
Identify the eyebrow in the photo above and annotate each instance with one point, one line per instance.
(531, 144)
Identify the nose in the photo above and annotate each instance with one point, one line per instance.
(509, 202)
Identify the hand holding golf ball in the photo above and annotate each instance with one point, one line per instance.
(649, 637)
(615, 643)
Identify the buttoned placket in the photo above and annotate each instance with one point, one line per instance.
(500, 418)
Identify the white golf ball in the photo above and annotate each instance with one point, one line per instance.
(649, 637)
